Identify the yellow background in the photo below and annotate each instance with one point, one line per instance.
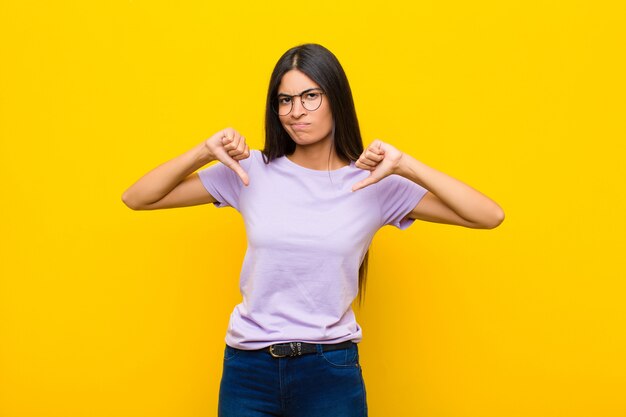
(108, 312)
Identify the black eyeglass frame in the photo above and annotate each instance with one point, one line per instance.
(280, 96)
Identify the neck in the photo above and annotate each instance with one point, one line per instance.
(320, 156)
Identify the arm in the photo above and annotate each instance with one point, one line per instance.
(175, 183)
(171, 184)
(448, 201)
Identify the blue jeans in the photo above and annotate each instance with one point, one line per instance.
(318, 384)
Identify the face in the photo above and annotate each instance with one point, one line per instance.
(304, 126)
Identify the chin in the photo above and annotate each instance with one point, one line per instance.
(303, 141)
(307, 139)
(306, 142)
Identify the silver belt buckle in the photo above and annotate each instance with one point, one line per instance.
(298, 346)
(274, 354)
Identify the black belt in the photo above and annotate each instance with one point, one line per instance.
(280, 350)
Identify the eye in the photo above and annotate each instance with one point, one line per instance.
(284, 100)
(312, 95)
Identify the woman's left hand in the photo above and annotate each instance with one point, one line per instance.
(381, 159)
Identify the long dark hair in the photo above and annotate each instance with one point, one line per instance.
(320, 65)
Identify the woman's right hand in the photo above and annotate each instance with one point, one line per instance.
(229, 147)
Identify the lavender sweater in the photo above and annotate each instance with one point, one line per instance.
(307, 235)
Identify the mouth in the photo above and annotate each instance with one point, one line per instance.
(299, 125)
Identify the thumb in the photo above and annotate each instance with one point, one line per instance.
(231, 163)
(364, 183)
(235, 166)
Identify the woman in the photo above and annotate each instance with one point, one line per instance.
(312, 201)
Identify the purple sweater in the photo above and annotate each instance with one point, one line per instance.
(307, 235)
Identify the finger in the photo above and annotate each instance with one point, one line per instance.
(239, 150)
(376, 151)
(234, 165)
(241, 146)
(368, 162)
(376, 146)
(229, 133)
(360, 165)
(226, 141)
(243, 155)
(231, 144)
(374, 155)
(364, 183)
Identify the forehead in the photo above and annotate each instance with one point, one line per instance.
(294, 82)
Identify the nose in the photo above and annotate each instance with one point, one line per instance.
(298, 108)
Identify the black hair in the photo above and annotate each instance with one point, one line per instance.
(323, 67)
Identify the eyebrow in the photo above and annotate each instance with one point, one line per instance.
(302, 92)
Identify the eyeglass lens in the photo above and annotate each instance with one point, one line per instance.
(311, 100)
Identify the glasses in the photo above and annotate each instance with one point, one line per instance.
(311, 100)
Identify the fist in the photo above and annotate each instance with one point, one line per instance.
(229, 147)
(381, 159)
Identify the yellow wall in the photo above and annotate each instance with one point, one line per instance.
(107, 312)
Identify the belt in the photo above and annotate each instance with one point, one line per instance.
(280, 350)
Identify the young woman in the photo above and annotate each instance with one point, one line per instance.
(311, 201)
